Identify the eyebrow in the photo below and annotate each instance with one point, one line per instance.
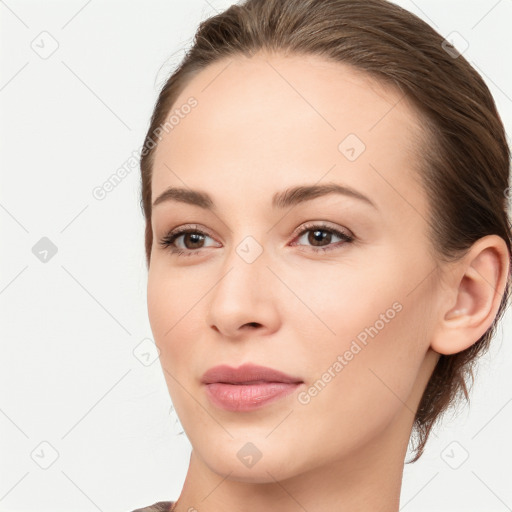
(289, 197)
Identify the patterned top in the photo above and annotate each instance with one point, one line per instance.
(161, 506)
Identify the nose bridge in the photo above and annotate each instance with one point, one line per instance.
(242, 295)
(243, 273)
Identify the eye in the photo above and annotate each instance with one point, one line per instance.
(320, 236)
(191, 243)
(188, 240)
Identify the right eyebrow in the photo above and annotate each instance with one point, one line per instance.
(185, 195)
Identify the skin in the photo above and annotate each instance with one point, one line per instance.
(262, 125)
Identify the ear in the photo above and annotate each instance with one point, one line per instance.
(472, 298)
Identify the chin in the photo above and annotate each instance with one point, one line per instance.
(251, 459)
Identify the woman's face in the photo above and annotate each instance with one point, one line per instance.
(335, 289)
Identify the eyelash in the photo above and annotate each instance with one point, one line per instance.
(167, 242)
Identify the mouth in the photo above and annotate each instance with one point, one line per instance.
(248, 387)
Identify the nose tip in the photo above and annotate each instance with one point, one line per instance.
(240, 295)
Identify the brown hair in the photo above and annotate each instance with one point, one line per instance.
(465, 170)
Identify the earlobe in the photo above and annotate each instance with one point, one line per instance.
(478, 284)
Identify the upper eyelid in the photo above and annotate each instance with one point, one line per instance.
(322, 225)
(302, 227)
(299, 231)
(181, 230)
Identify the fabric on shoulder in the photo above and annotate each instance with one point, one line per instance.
(161, 506)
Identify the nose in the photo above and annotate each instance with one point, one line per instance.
(245, 298)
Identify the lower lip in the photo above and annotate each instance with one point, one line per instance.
(248, 397)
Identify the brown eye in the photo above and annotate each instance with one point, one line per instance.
(321, 237)
(192, 240)
(185, 241)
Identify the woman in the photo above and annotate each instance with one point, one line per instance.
(325, 189)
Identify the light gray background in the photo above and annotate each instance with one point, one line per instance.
(75, 384)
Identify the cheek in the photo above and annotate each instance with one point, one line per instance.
(160, 303)
(332, 305)
(176, 314)
(368, 329)
(166, 305)
(360, 388)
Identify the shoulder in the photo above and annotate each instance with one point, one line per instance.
(161, 506)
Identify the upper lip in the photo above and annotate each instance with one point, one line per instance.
(246, 373)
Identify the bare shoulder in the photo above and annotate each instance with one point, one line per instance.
(161, 506)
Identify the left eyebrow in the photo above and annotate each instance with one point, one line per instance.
(284, 199)
(295, 195)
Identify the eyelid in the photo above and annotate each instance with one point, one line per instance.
(321, 224)
(187, 228)
(346, 236)
(191, 227)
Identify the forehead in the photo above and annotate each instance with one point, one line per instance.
(272, 121)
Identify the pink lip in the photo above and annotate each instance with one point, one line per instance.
(247, 387)
(246, 373)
